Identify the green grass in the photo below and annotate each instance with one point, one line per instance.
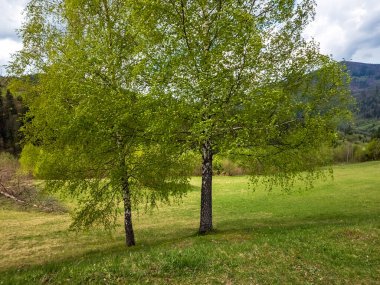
(327, 235)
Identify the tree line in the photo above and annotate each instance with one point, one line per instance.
(11, 110)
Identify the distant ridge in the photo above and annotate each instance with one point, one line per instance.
(365, 87)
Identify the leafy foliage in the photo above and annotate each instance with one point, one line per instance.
(88, 128)
(239, 78)
(126, 88)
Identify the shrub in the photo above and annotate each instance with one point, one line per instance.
(221, 166)
(374, 149)
(348, 152)
(231, 168)
(360, 153)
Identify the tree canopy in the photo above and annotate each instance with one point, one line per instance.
(242, 81)
(141, 82)
(88, 129)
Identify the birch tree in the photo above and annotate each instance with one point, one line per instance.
(225, 77)
(88, 131)
(244, 82)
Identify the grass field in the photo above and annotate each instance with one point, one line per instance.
(327, 235)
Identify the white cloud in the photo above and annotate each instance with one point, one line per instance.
(11, 17)
(371, 55)
(10, 20)
(7, 47)
(348, 29)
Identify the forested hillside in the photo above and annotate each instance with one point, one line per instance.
(11, 110)
(365, 87)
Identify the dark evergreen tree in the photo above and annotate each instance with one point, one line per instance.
(12, 110)
(2, 122)
(376, 134)
(11, 124)
(10, 103)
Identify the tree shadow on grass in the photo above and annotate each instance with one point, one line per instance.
(116, 255)
(294, 223)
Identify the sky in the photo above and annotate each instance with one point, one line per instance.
(345, 29)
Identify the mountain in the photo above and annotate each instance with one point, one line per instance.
(365, 87)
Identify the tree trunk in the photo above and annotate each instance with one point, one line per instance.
(206, 190)
(129, 234)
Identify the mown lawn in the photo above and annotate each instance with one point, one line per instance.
(327, 235)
